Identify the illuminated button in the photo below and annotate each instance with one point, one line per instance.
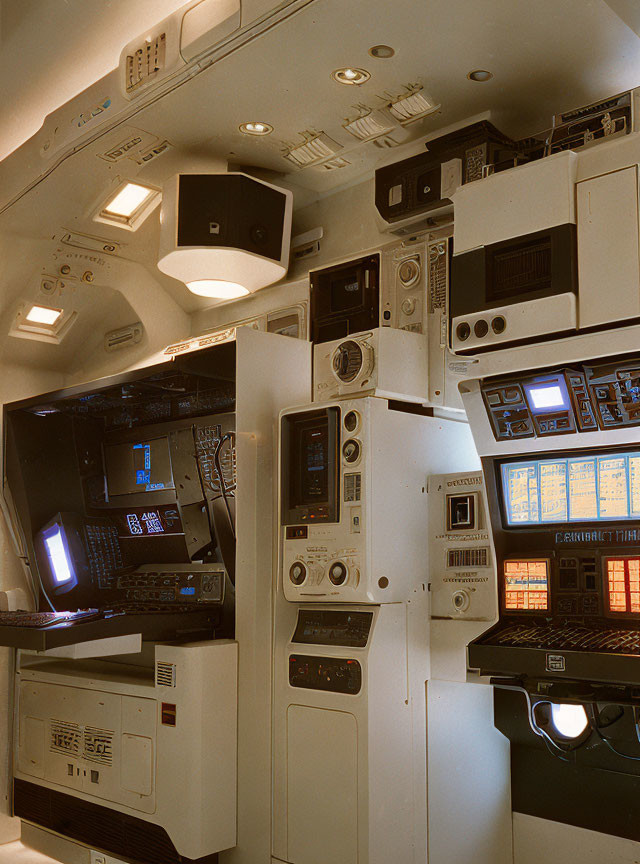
(463, 331)
(337, 573)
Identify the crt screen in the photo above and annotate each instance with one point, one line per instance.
(346, 292)
(526, 585)
(580, 488)
(314, 466)
(141, 466)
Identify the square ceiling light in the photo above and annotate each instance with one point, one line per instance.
(43, 315)
(43, 323)
(129, 205)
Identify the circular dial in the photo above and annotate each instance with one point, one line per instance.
(351, 450)
(337, 573)
(409, 272)
(297, 573)
(347, 360)
(351, 421)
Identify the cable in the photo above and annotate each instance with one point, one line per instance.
(228, 436)
(604, 739)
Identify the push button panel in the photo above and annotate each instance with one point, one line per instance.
(331, 674)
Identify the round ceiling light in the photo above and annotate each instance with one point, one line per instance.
(256, 128)
(382, 52)
(350, 75)
(217, 288)
(480, 75)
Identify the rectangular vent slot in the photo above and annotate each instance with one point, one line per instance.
(468, 557)
(437, 275)
(519, 269)
(145, 62)
(65, 737)
(165, 674)
(98, 745)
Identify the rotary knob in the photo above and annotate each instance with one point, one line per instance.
(461, 601)
(347, 361)
(408, 305)
(297, 573)
(338, 573)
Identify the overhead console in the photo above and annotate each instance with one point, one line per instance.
(582, 398)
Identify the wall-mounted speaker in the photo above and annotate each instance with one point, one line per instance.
(222, 230)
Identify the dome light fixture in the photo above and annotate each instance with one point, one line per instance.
(217, 288)
(350, 75)
(257, 127)
(481, 75)
(382, 52)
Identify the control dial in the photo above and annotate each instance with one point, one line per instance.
(409, 272)
(351, 451)
(338, 573)
(347, 360)
(297, 572)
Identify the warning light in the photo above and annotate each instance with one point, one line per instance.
(623, 584)
(526, 585)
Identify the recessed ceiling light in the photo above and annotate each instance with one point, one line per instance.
(382, 52)
(129, 206)
(43, 315)
(217, 288)
(256, 128)
(480, 75)
(350, 75)
(128, 200)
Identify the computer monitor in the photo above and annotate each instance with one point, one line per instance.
(581, 487)
(78, 554)
(134, 467)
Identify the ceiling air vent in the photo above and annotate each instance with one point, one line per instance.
(65, 738)
(315, 149)
(145, 62)
(412, 106)
(165, 674)
(336, 163)
(123, 337)
(98, 745)
(369, 125)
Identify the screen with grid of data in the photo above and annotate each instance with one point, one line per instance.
(577, 488)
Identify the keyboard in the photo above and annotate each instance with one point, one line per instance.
(569, 637)
(45, 619)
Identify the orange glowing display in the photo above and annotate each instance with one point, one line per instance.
(526, 585)
(623, 582)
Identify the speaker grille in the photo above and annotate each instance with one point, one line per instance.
(468, 557)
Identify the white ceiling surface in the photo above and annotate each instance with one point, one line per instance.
(546, 56)
(50, 50)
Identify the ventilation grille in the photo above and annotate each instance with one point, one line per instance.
(371, 125)
(315, 149)
(88, 742)
(333, 164)
(65, 738)
(98, 745)
(124, 336)
(522, 268)
(411, 106)
(468, 557)
(437, 275)
(145, 62)
(165, 674)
